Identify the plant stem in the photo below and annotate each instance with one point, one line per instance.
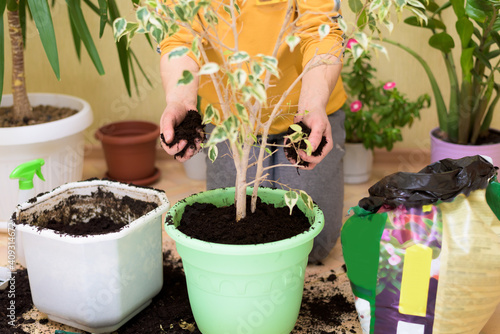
(21, 106)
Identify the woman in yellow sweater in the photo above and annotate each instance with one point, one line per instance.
(320, 93)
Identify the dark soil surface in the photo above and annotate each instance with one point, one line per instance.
(102, 211)
(291, 151)
(190, 129)
(41, 114)
(325, 307)
(266, 224)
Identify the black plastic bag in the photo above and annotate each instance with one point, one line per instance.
(440, 181)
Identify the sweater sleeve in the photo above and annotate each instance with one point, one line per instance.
(312, 14)
(183, 37)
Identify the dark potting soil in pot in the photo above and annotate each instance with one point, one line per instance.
(191, 129)
(325, 307)
(102, 213)
(266, 224)
(41, 114)
(291, 152)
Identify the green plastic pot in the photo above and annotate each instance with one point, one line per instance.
(244, 289)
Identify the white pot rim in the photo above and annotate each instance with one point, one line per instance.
(50, 234)
(52, 130)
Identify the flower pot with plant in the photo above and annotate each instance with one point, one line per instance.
(93, 251)
(47, 126)
(229, 290)
(465, 122)
(375, 114)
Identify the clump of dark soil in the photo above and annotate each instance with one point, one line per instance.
(102, 213)
(17, 293)
(266, 224)
(41, 114)
(191, 129)
(291, 150)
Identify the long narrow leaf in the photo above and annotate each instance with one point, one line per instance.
(76, 38)
(103, 13)
(121, 47)
(3, 4)
(22, 19)
(43, 21)
(134, 57)
(76, 16)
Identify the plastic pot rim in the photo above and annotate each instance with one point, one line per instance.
(51, 234)
(49, 131)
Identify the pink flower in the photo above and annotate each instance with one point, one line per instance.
(394, 260)
(389, 248)
(386, 235)
(350, 42)
(356, 106)
(389, 85)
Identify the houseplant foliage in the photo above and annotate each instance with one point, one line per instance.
(474, 92)
(375, 111)
(240, 79)
(18, 12)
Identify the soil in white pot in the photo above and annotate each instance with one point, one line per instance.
(41, 114)
(102, 213)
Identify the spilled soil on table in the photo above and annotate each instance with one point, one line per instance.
(327, 307)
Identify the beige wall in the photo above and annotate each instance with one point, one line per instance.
(110, 102)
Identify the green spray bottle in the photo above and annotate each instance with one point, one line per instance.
(25, 172)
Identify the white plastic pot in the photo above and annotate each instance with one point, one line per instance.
(358, 162)
(94, 283)
(60, 143)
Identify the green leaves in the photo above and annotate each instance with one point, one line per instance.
(293, 196)
(78, 21)
(43, 21)
(323, 31)
(442, 41)
(292, 41)
(186, 78)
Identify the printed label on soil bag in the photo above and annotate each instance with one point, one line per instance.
(469, 288)
(408, 271)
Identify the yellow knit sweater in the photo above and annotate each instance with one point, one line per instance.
(258, 27)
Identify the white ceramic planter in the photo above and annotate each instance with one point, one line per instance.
(94, 283)
(442, 150)
(358, 162)
(59, 143)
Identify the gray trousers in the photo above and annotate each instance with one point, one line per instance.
(325, 183)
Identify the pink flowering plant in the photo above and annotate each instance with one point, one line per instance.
(375, 111)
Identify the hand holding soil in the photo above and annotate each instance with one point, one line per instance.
(188, 136)
(305, 161)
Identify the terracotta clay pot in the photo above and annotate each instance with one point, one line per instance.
(130, 151)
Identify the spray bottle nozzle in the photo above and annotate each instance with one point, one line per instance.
(26, 171)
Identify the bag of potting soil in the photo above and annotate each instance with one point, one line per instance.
(423, 250)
